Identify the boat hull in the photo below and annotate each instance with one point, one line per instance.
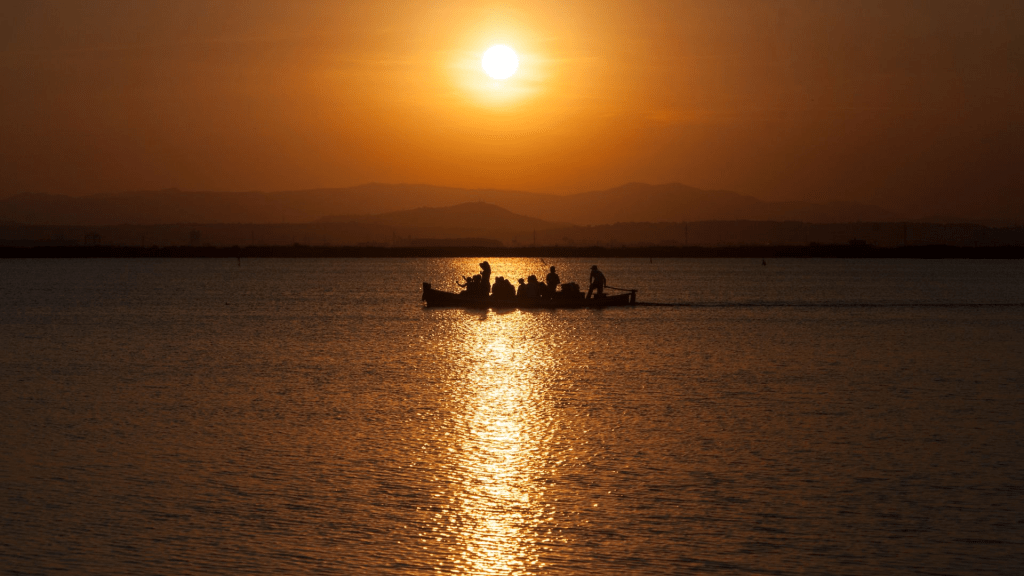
(441, 299)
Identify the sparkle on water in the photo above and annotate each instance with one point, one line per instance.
(304, 416)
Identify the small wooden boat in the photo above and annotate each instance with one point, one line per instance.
(440, 298)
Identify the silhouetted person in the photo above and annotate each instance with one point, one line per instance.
(485, 276)
(533, 287)
(553, 281)
(503, 288)
(597, 282)
(521, 289)
(476, 286)
(472, 285)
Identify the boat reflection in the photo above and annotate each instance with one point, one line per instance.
(502, 421)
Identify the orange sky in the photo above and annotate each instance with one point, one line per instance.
(894, 103)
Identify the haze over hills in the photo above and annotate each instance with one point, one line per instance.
(469, 215)
(482, 224)
(467, 220)
(637, 202)
(629, 203)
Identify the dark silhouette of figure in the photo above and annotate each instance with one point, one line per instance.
(597, 282)
(533, 287)
(503, 288)
(475, 286)
(763, 263)
(485, 276)
(521, 289)
(472, 285)
(553, 281)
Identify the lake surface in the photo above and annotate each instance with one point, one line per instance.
(309, 416)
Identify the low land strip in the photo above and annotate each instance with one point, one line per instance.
(304, 251)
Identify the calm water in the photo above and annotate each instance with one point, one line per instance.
(308, 416)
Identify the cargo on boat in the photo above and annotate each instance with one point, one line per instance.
(440, 298)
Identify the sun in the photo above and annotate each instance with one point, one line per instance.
(500, 62)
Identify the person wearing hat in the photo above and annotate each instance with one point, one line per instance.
(552, 280)
(597, 282)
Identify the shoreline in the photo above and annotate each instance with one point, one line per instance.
(304, 251)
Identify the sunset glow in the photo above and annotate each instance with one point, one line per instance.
(500, 62)
(477, 288)
(904, 106)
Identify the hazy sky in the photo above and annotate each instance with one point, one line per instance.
(896, 103)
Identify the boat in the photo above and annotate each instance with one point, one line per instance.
(440, 298)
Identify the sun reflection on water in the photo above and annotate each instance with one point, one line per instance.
(502, 422)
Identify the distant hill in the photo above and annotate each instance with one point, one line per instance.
(467, 215)
(361, 232)
(678, 203)
(468, 220)
(628, 203)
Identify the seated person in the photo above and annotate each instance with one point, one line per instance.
(533, 287)
(503, 288)
(474, 286)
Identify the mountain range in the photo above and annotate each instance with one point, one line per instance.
(483, 224)
(628, 203)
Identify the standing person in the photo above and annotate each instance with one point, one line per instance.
(485, 276)
(553, 281)
(597, 282)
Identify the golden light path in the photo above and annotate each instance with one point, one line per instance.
(501, 448)
(503, 457)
